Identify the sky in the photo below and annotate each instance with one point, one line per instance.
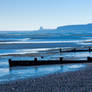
(31, 14)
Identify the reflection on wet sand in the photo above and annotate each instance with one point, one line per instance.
(38, 71)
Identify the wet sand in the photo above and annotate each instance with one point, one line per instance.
(76, 81)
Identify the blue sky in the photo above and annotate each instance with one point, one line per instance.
(31, 14)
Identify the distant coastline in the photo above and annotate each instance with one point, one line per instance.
(64, 27)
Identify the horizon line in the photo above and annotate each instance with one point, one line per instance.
(46, 28)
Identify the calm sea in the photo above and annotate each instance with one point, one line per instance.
(14, 44)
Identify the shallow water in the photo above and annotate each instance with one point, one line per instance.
(36, 71)
(21, 43)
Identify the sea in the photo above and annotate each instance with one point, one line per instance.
(26, 45)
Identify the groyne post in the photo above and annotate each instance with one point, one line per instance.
(74, 50)
(89, 58)
(89, 49)
(60, 50)
(42, 57)
(61, 58)
(10, 62)
(35, 59)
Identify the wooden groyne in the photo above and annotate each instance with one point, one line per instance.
(35, 62)
(76, 50)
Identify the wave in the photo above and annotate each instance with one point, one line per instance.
(17, 42)
(25, 39)
(25, 51)
(13, 39)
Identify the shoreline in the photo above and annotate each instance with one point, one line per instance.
(75, 81)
